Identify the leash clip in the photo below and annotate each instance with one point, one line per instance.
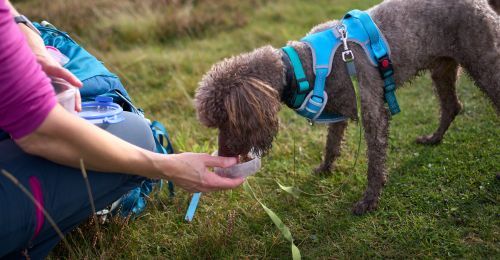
(343, 35)
(347, 54)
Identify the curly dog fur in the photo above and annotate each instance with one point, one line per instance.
(241, 96)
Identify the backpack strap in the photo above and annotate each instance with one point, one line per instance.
(126, 100)
(163, 145)
(162, 139)
(192, 206)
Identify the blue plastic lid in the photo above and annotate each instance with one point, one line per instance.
(102, 111)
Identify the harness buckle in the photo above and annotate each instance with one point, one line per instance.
(316, 96)
(385, 67)
(347, 55)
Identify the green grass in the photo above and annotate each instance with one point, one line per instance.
(439, 201)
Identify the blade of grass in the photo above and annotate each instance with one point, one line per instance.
(285, 231)
(92, 205)
(295, 192)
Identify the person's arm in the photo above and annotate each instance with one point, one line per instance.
(64, 138)
(29, 112)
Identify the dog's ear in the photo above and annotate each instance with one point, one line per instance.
(252, 115)
(209, 99)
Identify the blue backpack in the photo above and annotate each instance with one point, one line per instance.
(99, 81)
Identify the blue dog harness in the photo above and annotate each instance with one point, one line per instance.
(358, 27)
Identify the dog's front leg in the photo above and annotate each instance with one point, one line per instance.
(332, 148)
(375, 123)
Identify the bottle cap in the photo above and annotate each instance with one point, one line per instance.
(102, 111)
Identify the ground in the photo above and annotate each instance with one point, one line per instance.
(439, 202)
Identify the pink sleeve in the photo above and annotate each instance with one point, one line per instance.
(26, 95)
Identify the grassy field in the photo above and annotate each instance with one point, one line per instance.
(439, 202)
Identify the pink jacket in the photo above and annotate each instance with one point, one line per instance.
(26, 95)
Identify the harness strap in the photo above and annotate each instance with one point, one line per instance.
(300, 76)
(384, 62)
(322, 47)
(371, 30)
(299, 97)
(387, 72)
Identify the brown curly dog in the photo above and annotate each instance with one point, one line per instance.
(241, 96)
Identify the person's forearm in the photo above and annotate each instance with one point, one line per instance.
(64, 138)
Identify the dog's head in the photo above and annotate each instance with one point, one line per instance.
(241, 97)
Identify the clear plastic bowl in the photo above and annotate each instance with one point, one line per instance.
(240, 170)
(65, 94)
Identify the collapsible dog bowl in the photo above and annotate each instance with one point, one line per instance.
(240, 170)
(102, 111)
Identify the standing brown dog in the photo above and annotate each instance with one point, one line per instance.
(241, 96)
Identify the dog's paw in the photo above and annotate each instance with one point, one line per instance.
(429, 139)
(323, 170)
(364, 206)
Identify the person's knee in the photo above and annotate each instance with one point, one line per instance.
(134, 129)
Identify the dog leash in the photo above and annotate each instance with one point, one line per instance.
(348, 58)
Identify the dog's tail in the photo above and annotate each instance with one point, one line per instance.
(495, 4)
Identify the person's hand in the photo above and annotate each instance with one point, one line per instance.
(49, 65)
(190, 171)
(53, 69)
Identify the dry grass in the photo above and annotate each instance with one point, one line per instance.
(107, 24)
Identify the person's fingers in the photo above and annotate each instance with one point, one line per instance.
(58, 71)
(215, 182)
(219, 161)
(78, 101)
